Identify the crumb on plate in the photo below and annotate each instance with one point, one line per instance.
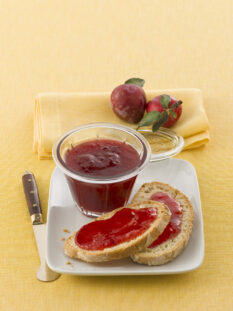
(66, 230)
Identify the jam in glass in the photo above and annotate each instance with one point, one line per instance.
(101, 158)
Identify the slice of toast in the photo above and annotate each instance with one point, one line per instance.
(127, 248)
(171, 248)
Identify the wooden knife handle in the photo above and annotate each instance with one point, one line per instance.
(31, 193)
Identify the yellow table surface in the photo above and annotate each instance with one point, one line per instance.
(94, 45)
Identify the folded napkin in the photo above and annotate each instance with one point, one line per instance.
(56, 113)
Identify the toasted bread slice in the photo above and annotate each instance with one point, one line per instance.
(171, 248)
(124, 249)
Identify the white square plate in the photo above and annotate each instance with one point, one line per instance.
(62, 214)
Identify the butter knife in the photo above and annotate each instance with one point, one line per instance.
(39, 227)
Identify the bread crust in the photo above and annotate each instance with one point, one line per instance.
(124, 249)
(170, 249)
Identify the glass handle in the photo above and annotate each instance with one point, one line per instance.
(158, 142)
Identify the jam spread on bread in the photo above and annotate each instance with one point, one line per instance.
(174, 226)
(125, 225)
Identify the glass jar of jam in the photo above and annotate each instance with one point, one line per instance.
(101, 162)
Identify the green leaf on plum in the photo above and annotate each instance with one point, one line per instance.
(136, 81)
(162, 119)
(165, 101)
(149, 118)
(174, 114)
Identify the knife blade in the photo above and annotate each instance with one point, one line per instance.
(39, 227)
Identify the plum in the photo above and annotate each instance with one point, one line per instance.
(156, 105)
(163, 110)
(128, 100)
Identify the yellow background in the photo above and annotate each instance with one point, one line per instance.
(94, 45)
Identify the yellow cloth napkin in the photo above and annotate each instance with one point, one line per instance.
(55, 113)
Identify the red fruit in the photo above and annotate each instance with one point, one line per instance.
(156, 105)
(128, 101)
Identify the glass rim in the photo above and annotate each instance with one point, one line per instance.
(101, 180)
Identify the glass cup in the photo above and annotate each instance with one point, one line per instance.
(93, 195)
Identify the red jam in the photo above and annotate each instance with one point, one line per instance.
(101, 158)
(174, 226)
(123, 226)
